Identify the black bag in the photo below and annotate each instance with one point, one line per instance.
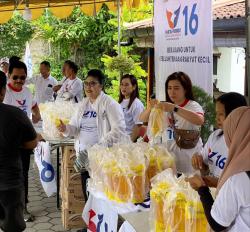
(186, 139)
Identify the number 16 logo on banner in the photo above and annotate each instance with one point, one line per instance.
(190, 17)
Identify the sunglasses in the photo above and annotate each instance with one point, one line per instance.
(22, 78)
(90, 84)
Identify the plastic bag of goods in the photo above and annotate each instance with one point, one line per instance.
(52, 113)
(125, 173)
(195, 217)
(159, 159)
(156, 124)
(138, 167)
(162, 185)
(96, 157)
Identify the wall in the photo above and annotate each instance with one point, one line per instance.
(231, 70)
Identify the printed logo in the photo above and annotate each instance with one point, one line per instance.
(186, 14)
(21, 103)
(172, 21)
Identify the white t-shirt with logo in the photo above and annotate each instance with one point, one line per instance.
(88, 128)
(71, 90)
(231, 207)
(215, 153)
(182, 156)
(132, 114)
(43, 92)
(22, 99)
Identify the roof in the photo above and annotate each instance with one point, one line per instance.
(230, 9)
(222, 9)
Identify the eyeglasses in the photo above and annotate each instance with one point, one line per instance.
(22, 78)
(90, 84)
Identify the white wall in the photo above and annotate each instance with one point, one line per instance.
(231, 70)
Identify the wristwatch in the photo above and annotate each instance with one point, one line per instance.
(176, 108)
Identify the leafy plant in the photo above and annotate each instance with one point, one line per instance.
(126, 63)
(206, 101)
(13, 36)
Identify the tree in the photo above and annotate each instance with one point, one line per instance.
(81, 38)
(13, 36)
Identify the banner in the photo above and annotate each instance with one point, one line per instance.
(28, 60)
(99, 216)
(183, 42)
(46, 170)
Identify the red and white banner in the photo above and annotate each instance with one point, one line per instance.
(183, 42)
(99, 215)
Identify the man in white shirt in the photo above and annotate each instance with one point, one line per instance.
(4, 65)
(72, 87)
(44, 84)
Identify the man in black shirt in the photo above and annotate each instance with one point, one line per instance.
(16, 131)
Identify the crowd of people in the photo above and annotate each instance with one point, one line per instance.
(223, 162)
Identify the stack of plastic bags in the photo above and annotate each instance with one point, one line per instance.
(175, 206)
(52, 113)
(122, 171)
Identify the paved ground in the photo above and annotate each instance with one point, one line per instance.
(48, 218)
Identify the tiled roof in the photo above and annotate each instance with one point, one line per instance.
(222, 9)
(231, 9)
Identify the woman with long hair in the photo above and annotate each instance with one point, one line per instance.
(183, 115)
(132, 106)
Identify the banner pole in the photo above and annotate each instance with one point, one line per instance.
(119, 26)
(248, 48)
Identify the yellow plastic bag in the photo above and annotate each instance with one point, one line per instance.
(157, 123)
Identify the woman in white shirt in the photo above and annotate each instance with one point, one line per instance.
(182, 112)
(99, 118)
(212, 159)
(71, 89)
(131, 105)
(230, 211)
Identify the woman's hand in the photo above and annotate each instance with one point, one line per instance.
(152, 103)
(61, 127)
(196, 182)
(197, 162)
(166, 106)
(211, 181)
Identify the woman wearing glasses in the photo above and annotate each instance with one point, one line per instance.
(131, 105)
(99, 118)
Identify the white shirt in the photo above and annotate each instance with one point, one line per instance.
(110, 120)
(215, 153)
(132, 114)
(231, 207)
(88, 128)
(71, 90)
(183, 156)
(22, 99)
(43, 93)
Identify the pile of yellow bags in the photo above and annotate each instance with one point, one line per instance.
(54, 112)
(123, 172)
(175, 206)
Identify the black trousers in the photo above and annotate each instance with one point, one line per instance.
(25, 155)
(84, 177)
(11, 210)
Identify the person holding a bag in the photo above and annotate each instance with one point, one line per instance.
(184, 117)
(230, 211)
(212, 159)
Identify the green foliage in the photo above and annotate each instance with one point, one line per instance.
(145, 11)
(120, 65)
(81, 38)
(206, 101)
(13, 36)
